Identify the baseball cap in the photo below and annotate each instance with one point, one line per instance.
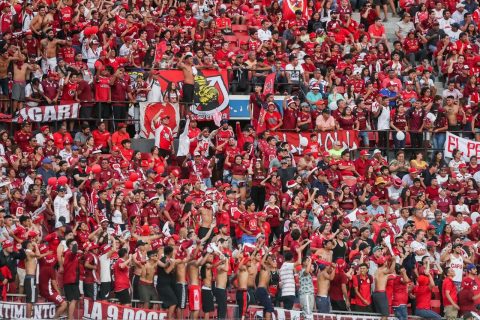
(470, 267)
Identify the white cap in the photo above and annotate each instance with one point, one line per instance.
(377, 151)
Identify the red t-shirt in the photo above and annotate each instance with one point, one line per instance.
(424, 297)
(400, 292)
(249, 222)
(450, 286)
(122, 280)
(102, 89)
(272, 119)
(336, 293)
(364, 285)
(92, 275)
(71, 268)
(101, 138)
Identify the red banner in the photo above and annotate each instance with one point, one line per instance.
(269, 84)
(210, 94)
(348, 138)
(290, 6)
(100, 310)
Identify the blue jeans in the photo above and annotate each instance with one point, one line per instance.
(323, 304)
(363, 135)
(438, 140)
(401, 312)
(207, 182)
(248, 239)
(426, 314)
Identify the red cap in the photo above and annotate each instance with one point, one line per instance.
(381, 261)
(413, 170)
(462, 165)
(364, 153)
(32, 234)
(7, 244)
(374, 198)
(144, 164)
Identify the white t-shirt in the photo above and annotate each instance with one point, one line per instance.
(105, 273)
(264, 35)
(458, 228)
(287, 279)
(383, 120)
(415, 245)
(294, 71)
(404, 28)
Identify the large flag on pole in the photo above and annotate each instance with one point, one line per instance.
(290, 6)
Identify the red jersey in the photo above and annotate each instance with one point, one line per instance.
(69, 90)
(249, 222)
(221, 137)
(122, 279)
(102, 89)
(92, 275)
(163, 137)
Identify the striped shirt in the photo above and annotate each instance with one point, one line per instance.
(287, 279)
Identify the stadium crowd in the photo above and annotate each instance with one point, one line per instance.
(244, 217)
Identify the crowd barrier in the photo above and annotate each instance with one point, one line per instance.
(15, 308)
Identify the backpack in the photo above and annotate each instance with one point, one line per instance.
(352, 290)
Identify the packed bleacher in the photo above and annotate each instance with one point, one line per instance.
(350, 187)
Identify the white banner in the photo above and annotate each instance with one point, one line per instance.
(467, 147)
(49, 113)
(16, 310)
(148, 110)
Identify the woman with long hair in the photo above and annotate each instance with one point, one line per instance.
(239, 176)
(257, 191)
(274, 217)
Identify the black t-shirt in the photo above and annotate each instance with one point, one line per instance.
(80, 174)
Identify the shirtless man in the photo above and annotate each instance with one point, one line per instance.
(220, 292)
(242, 293)
(326, 253)
(32, 254)
(5, 60)
(49, 17)
(252, 274)
(325, 275)
(181, 285)
(49, 51)
(452, 108)
(189, 72)
(379, 296)
(261, 294)
(37, 23)
(139, 260)
(20, 70)
(194, 291)
(206, 274)
(146, 289)
(206, 213)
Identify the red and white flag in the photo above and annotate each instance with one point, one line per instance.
(290, 6)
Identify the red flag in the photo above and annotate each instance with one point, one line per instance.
(260, 124)
(290, 6)
(269, 84)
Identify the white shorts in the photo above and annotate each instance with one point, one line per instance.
(21, 276)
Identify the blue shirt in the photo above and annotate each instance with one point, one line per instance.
(375, 211)
(389, 94)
